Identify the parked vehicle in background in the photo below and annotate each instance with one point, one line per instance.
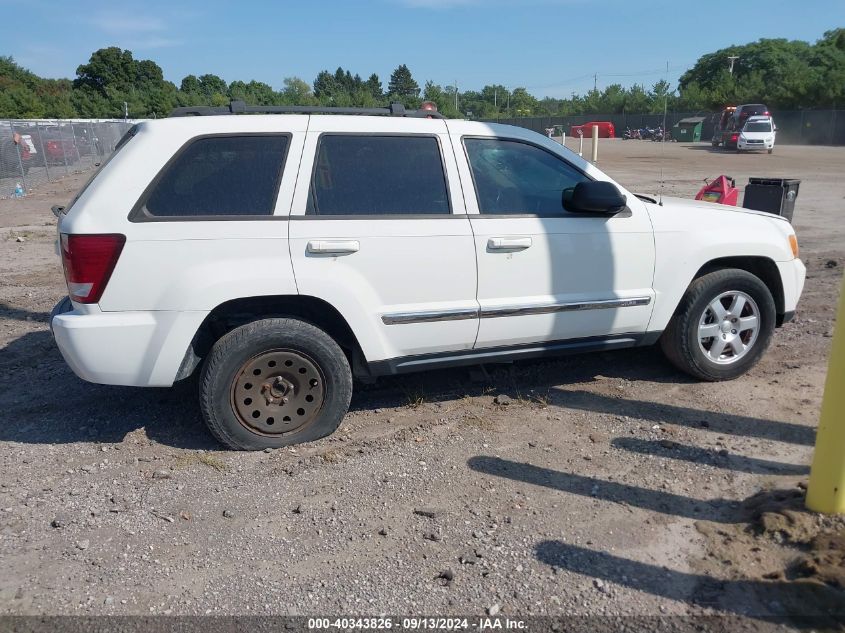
(743, 113)
(59, 148)
(661, 135)
(721, 124)
(732, 123)
(606, 129)
(406, 242)
(758, 133)
(646, 133)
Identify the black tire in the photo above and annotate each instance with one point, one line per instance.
(680, 341)
(233, 351)
(770, 151)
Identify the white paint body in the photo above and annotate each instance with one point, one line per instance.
(172, 274)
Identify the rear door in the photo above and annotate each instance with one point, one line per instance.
(379, 230)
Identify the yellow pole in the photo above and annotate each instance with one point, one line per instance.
(826, 490)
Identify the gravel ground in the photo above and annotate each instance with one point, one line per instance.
(579, 486)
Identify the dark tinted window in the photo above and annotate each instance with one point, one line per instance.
(223, 175)
(513, 177)
(378, 175)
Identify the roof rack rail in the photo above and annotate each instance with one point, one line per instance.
(239, 107)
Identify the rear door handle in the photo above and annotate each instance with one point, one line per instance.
(333, 247)
(508, 243)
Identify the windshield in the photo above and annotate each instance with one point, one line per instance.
(758, 126)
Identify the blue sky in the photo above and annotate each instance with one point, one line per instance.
(552, 47)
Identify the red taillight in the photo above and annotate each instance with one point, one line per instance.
(88, 261)
(734, 137)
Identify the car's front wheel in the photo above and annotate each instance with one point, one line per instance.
(722, 326)
(274, 382)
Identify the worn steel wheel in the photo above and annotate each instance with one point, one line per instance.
(273, 383)
(278, 392)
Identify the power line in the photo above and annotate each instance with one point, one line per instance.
(566, 83)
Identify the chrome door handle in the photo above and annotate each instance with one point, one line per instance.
(333, 247)
(508, 243)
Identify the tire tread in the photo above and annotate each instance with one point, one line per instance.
(675, 342)
(242, 337)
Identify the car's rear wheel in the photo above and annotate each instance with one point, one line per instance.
(722, 326)
(273, 383)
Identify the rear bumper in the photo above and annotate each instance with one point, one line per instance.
(143, 349)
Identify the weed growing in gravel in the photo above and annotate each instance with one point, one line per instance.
(206, 459)
(415, 399)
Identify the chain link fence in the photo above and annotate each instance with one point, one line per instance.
(33, 152)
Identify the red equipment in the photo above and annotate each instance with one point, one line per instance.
(721, 190)
(606, 129)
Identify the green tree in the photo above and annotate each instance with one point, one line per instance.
(107, 68)
(297, 92)
(402, 83)
(325, 86)
(190, 85)
(212, 85)
(636, 99)
(522, 103)
(660, 97)
(373, 84)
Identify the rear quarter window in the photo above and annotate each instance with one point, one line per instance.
(218, 176)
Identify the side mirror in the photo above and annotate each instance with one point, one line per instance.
(596, 196)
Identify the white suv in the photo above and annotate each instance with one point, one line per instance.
(280, 255)
(758, 133)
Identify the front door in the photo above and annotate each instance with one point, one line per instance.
(544, 274)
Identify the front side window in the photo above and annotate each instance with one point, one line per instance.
(378, 175)
(512, 177)
(221, 176)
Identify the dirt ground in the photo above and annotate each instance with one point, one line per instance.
(609, 485)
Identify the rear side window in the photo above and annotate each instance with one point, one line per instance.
(220, 176)
(378, 175)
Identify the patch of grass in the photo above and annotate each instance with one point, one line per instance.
(415, 399)
(332, 456)
(206, 459)
(541, 399)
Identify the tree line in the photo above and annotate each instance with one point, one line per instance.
(784, 74)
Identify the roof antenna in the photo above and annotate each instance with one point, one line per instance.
(663, 139)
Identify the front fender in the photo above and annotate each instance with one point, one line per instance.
(688, 238)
